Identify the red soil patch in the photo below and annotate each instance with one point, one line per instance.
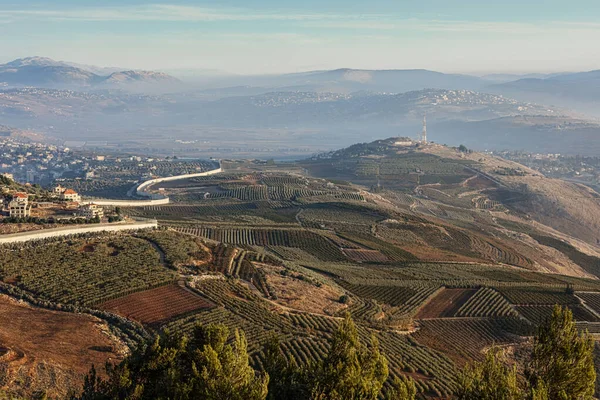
(12, 280)
(157, 305)
(445, 304)
(63, 345)
(88, 248)
(362, 255)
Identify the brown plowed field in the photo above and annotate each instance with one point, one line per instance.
(50, 350)
(156, 305)
(445, 304)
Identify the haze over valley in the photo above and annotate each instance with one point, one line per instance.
(282, 115)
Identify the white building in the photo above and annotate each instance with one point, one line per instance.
(19, 207)
(20, 197)
(70, 195)
(19, 210)
(91, 211)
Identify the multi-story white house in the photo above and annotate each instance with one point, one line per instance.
(70, 195)
(19, 206)
(91, 211)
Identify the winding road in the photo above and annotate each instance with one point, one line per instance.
(141, 190)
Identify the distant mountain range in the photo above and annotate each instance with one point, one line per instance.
(570, 90)
(385, 81)
(342, 106)
(45, 72)
(561, 89)
(580, 91)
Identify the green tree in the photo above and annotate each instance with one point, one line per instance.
(351, 370)
(174, 367)
(287, 380)
(402, 389)
(540, 392)
(221, 370)
(491, 379)
(562, 358)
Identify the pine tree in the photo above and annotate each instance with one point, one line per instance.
(562, 358)
(287, 380)
(173, 367)
(491, 379)
(402, 389)
(351, 370)
(222, 370)
(540, 392)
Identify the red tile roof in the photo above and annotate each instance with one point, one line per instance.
(70, 191)
(20, 195)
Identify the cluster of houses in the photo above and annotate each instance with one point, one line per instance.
(20, 205)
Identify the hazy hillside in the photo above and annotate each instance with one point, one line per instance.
(45, 72)
(479, 120)
(579, 91)
(347, 80)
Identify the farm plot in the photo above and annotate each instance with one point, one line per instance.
(538, 314)
(498, 253)
(84, 271)
(538, 296)
(445, 304)
(435, 373)
(486, 303)
(158, 305)
(592, 300)
(463, 340)
(362, 255)
(313, 243)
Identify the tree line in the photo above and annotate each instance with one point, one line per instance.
(212, 364)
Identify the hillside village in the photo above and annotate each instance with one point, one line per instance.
(24, 203)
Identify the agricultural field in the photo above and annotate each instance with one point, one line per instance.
(538, 314)
(591, 300)
(84, 271)
(445, 304)
(464, 340)
(156, 306)
(486, 302)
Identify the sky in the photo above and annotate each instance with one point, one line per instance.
(268, 36)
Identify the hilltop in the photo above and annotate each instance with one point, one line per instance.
(45, 72)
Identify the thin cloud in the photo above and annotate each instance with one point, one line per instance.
(452, 26)
(166, 12)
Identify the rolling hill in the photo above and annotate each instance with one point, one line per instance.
(579, 90)
(45, 72)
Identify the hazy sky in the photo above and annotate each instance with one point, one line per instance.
(265, 36)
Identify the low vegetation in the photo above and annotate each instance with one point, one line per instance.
(83, 271)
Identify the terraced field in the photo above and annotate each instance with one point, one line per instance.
(317, 245)
(445, 304)
(538, 314)
(486, 302)
(464, 339)
(591, 300)
(85, 271)
(156, 306)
